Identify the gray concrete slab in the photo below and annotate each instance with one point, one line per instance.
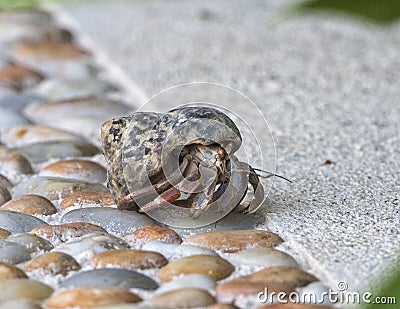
(330, 89)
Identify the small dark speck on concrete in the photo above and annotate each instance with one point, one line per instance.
(207, 15)
(328, 162)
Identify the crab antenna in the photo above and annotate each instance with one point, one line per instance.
(267, 176)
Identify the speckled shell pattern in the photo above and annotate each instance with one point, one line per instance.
(113, 138)
(136, 146)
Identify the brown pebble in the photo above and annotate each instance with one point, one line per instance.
(39, 24)
(4, 233)
(53, 263)
(92, 198)
(294, 306)
(66, 231)
(5, 195)
(215, 267)
(4, 182)
(274, 279)
(183, 298)
(49, 50)
(76, 169)
(13, 163)
(283, 274)
(23, 288)
(234, 240)
(8, 271)
(149, 233)
(128, 259)
(18, 77)
(30, 204)
(29, 134)
(90, 297)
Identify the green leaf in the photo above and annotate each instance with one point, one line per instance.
(17, 4)
(389, 291)
(379, 11)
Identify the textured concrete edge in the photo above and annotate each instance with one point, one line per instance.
(302, 255)
(312, 265)
(134, 94)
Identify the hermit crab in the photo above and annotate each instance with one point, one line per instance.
(184, 157)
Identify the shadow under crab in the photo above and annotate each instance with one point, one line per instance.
(183, 158)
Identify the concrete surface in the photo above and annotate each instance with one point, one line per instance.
(330, 89)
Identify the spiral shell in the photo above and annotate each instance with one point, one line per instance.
(138, 147)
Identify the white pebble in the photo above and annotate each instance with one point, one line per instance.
(62, 88)
(265, 257)
(9, 119)
(315, 290)
(86, 247)
(189, 281)
(53, 188)
(20, 304)
(175, 251)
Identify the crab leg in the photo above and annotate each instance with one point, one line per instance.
(195, 181)
(203, 199)
(169, 196)
(161, 186)
(173, 193)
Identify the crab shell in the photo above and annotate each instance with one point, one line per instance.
(143, 148)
